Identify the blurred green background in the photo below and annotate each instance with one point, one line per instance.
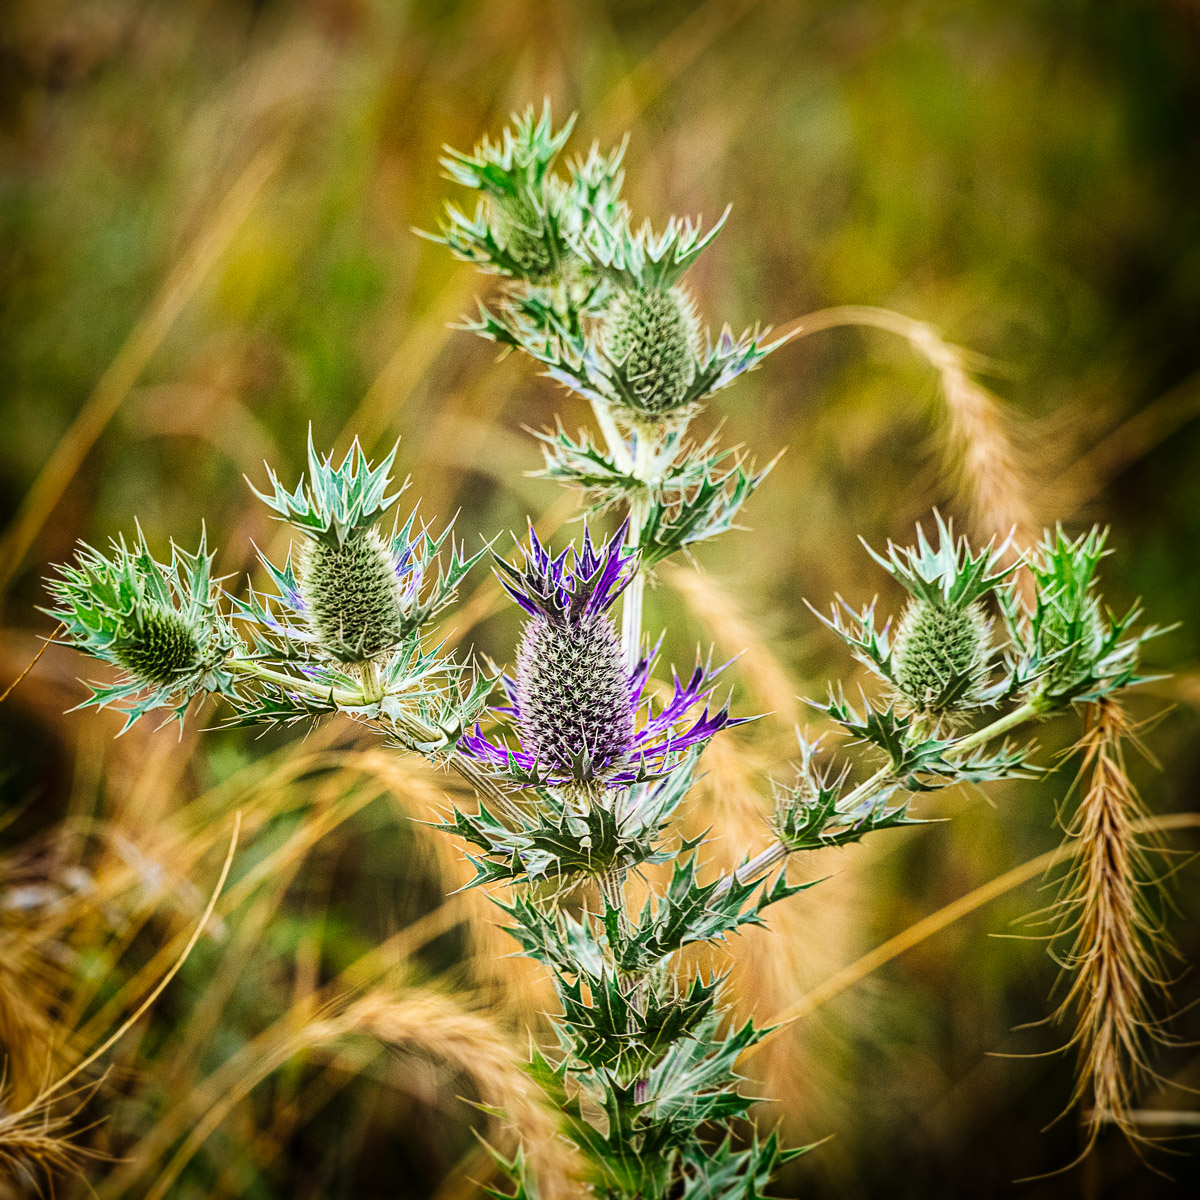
(206, 211)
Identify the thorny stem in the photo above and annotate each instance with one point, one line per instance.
(761, 863)
(408, 724)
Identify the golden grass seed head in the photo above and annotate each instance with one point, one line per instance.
(352, 595)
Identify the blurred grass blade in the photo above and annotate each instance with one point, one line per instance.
(145, 338)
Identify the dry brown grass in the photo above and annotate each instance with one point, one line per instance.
(724, 619)
(38, 1145)
(1118, 951)
(439, 1026)
(419, 1021)
(806, 938)
(981, 456)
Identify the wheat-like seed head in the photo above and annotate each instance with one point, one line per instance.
(981, 452)
(1117, 954)
(437, 1025)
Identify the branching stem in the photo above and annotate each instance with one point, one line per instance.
(774, 854)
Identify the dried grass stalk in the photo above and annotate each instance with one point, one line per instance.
(419, 1021)
(806, 938)
(432, 1023)
(1118, 948)
(980, 453)
(721, 615)
(37, 1146)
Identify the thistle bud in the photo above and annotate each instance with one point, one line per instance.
(157, 645)
(655, 336)
(352, 596)
(521, 231)
(1072, 636)
(1069, 629)
(941, 654)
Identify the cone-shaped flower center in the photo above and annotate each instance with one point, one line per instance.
(352, 594)
(656, 335)
(520, 228)
(573, 696)
(157, 645)
(941, 651)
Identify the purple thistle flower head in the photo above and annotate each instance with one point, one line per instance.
(574, 699)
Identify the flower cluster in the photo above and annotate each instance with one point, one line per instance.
(354, 603)
(586, 787)
(574, 700)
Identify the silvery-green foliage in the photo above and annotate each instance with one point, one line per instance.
(159, 622)
(580, 773)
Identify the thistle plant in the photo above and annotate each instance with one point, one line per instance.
(580, 771)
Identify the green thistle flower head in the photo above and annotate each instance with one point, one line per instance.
(352, 596)
(941, 656)
(158, 622)
(654, 336)
(650, 330)
(524, 222)
(1070, 633)
(350, 587)
(354, 593)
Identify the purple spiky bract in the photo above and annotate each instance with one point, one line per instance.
(574, 701)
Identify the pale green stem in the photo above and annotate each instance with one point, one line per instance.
(778, 851)
(410, 724)
(372, 682)
(646, 467)
(296, 683)
(617, 446)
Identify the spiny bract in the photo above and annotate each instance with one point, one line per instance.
(352, 596)
(941, 653)
(655, 336)
(522, 230)
(573, 692)
(157, 645)
(1072, 634)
